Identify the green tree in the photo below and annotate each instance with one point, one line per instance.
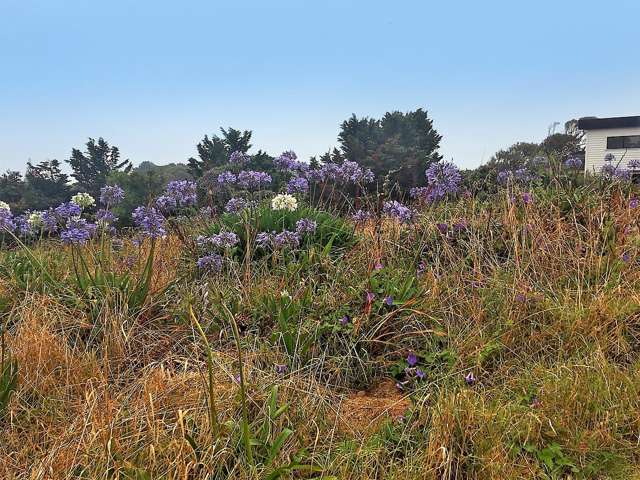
(215, 151)
(12, 188)
(400, 144)
(45, 185)
(91, 168)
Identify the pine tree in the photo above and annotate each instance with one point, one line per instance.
(45, 185)
(91, 168)
(215, 151)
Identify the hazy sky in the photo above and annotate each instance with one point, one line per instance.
(153, 77)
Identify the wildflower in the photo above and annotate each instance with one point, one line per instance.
(370, 296)
(626, 257)
(443, 228)
(263, 240)
(282, 369)
(388, 300)
(150, 221)
(6, 219)
(250, 179)
(573, 163)
(305, 225)
(344, 321)
(287, 161)
(361, 216)
(378, 266)
(78, 232)
(223, 240)
(460, 225)
(184, 192)
(211, 263)
(329, 171)
(166, 203)
(397, 210)
(235, 205)
(610, 171)
(111, 195)
(420, 374)
(286, 239)
(412, 359)
(83, 200)
(352, 172)
(470, 379)
(634, 164)
(527, 198)
(284, 201)
(521, 298)
(633, 203)
(227, 177)
(422, 267)
(504, 177)
(523, 175)
(444, 179)
(298, 185)
(239, 158)
(68, 210)
(105, 218)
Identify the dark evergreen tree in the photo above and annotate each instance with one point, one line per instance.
(91, 168)
(401, 145)
(45, 185)
(215, 151)
(12, 188)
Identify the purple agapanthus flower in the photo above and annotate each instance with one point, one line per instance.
(344, 321)
(287, 161)
(7, 221)
(443, 178)
(264, 240)
(361, 216)
(239, 158)
(111, 195)
(388, 300)
(420, 374)
(67, 210)
(610, 171)
(227, 177)
(573, 163)
(50, 221)
(235, 205)
(470, 378)
(523, 175)
(305, 225)
(395, 209)
(78, 232)
(223, 240)
(504, 176)
(634, 164)
(183, 191)
(443, 228)
(150, 221)
(298, 185)
(211, 263)
(351, 172)
(527, 198)
(412, 359)
(286, 239)
(250, 179)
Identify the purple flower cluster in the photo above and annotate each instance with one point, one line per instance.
(443, 178)
(634, 164)
(239, 158)
(361, 216)
(284, 239)
(348, 172)
(298, 185)
(397, 210)
(78, 232)
(68, 210)
(250, 179)
(221, 240)
(184, 192)
(610, 172)
(523, 175)
(111, 195)
(211, 263)
(305, 225)
(150, 221)
(235, 205)
(574, 163)
(227, 177)
(6, 220)
(288, 161)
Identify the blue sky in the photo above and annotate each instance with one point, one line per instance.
(154, 77)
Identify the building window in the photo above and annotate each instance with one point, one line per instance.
(628, 141)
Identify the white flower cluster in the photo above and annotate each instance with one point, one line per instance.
(5, 206)
(35, 220)
(83, 200)
(284, 201)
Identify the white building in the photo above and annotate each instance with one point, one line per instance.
(618, 136)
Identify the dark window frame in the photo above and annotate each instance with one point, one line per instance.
(621, 142)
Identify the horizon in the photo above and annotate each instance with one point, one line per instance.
(158, 77)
